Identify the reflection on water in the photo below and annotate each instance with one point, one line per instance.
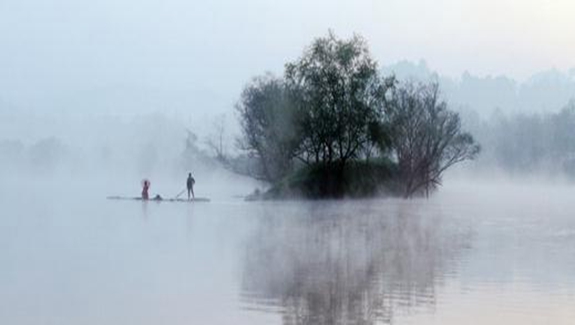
(337, 264)
(492, 255)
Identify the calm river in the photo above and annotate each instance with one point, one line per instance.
(468, 255)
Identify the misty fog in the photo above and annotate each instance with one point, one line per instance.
(105, 137)
(99, 98)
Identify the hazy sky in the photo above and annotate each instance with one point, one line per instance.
(202, 53)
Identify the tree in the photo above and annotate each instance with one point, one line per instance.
(426, 137)
(215, 141)
(333, 111)
(192, 156)
(342, 99)
(47, 154)
(268, 111)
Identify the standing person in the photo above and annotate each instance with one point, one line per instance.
(190, 185)
(145, 187)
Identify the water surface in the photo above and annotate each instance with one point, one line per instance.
(469, 255)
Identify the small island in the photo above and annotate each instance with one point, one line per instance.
(332, 127)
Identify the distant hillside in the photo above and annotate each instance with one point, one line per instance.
(546, 91)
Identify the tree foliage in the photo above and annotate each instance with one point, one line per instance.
(342, 98)
(333, 111)
(427, 137)
(268, 111)
(542, 143)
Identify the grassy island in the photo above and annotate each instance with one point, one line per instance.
(333, 127)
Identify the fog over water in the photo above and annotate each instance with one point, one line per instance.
(96, 96)
(477, 254)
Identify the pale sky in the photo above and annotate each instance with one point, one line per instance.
(201, 54)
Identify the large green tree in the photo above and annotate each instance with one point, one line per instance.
(332, 107)
(268, 110)
(342, 98)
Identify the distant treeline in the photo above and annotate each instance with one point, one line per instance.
(544, 91)
(527, 143)
(45, 155)
(332, 126)
(54, 156)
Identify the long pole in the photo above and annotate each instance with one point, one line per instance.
(182, 192)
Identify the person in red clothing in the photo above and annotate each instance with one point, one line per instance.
(145, 187)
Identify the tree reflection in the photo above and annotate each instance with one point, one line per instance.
(337, 264)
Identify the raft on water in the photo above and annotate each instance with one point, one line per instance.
(158, 199)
